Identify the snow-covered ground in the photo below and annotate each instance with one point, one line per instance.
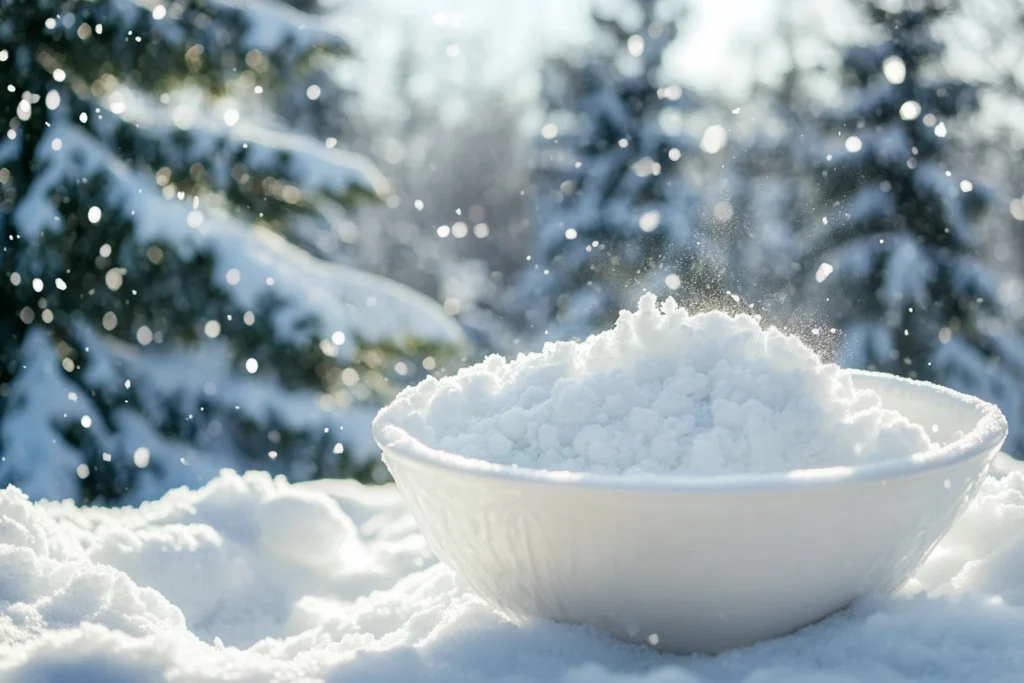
(252, 579)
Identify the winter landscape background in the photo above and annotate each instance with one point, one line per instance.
(233, 230)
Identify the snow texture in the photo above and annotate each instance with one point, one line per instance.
(252, 265)
(215, 585)
(661, 392)
(362, 306)
(268, 26)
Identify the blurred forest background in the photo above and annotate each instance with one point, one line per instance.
(233, 229)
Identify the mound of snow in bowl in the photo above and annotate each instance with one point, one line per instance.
(662, 392)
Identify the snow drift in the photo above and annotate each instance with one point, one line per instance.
(252, 579)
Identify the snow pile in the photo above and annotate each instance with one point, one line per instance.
(661, 392)
(251, 579)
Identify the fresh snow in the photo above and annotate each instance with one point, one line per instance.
(252, 268)
(270, 27)
(662, 392)
(252, 579)
(321, 297)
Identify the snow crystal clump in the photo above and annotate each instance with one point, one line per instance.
(662, 392)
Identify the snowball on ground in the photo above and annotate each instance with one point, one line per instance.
(215, 585)
(661, 392)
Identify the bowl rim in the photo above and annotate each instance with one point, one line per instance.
(987, 436)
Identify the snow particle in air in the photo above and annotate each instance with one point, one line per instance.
(650, 220)
(313, 92)
(894, 70)
(211, 329)
(1017, 209)
(714, 139)
(910, 110)
(722, 211)
(252, 365)
(824, 270)
(853, 144)
(635, 45)
(141, 457)
(452, 306)
(95, 214)
(114, 278)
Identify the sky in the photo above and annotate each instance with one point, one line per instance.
(726, 45)
(500, 40)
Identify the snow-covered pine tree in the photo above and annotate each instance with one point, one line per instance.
(157, 320)
(894, 262)
(614, 213)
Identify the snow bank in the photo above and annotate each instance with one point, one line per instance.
(251, 579)
(661, 392)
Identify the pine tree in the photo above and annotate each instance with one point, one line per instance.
(614, 213)
(894, 262)
(159, 316)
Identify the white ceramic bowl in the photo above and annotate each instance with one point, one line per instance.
(699, 564)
